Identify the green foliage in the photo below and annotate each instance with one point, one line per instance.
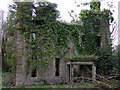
(92, 20)
(87, 84)
(81, 56)
(116, 61)
(61, 33)
(95, 5)
(45, 38)
(105, 61)
(119, 59)
(38, 30)
(28, 63)
(46, 12)
(91, 23)
(7, 78)
(9, 58)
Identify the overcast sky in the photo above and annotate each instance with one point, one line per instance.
(65, 6)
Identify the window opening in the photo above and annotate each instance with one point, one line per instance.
(57, 66)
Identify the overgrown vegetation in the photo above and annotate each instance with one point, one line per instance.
(8, 79)
(89, 84)
(81, 56)
(46, 38)
(92, 21)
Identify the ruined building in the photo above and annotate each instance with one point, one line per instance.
(65, 67)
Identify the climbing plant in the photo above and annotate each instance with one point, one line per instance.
(46, 38)
(92, 20)
(8, 60)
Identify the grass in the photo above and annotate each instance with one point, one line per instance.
(88, 84)
(113, 82)
(7, 78)
(80, 56)
(104, 84)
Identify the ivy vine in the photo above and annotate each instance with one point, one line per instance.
(46, 38)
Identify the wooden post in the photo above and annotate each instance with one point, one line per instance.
(82, 73)
(93, 72)
(71, 73)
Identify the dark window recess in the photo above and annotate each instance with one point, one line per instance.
(83, 40)
(98, 41)
(69, 70)
(34, 73)
(57, 66)
(39, 22)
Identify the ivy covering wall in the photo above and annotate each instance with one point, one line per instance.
(46, 38)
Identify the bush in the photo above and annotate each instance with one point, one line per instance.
(105, 61)
(8, 79)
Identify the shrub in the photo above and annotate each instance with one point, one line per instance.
(8, 79)
(105, 61)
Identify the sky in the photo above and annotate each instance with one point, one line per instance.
(65, 6)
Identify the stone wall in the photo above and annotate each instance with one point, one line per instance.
(20, 59)
(105, 34)
(48, 76)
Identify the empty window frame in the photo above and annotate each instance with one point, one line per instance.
(34, 73)
(98, 41)
(57, 66)
(83, 40)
